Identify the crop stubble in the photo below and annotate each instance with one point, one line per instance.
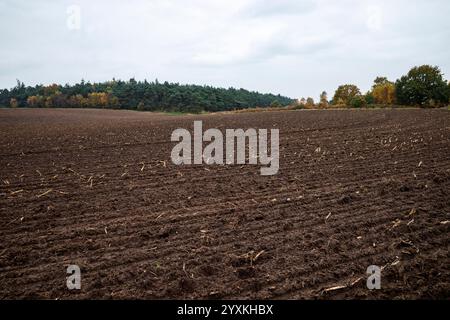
(97, 188)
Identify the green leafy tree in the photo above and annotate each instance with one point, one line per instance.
(358, 101)
(345, 93)
(380, 80)
(276, 104)
(448, 91)
(424, 86)
(369, 98)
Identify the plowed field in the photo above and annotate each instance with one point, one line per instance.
(97, 188)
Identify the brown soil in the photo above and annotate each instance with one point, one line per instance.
(97, 188)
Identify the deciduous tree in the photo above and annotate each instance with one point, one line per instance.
(422, 86)
(13, 103)
(383, 91)
(323, 100)
(345, 93)
(309, 102)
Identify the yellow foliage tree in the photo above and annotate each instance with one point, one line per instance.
(383, 91)
(51, 89)
(323, 100)
(32, 101)
(13, 103)
(309, 103)
(98, 99)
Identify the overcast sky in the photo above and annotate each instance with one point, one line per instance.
(293, 47)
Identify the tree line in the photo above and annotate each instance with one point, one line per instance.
(422, 86)
(139, 95)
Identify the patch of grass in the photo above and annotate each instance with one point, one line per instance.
(175, 113)
(181, 113)
(260, 109)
